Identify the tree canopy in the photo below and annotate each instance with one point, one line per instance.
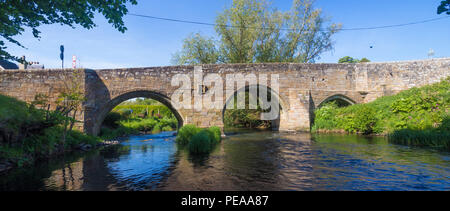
(16, 16)
(252, 31)
(348, 59)
(444, 7)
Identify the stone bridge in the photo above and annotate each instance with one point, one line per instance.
(302, 87)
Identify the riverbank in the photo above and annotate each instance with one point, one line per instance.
(416, 117)
(29, 134)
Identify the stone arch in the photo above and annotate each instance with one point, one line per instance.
(111, 104)
(281, 102)
(337, 97)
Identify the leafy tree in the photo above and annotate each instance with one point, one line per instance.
(348, 59)
(70, 100)
(16, 16)
(251, 31)
(197, 50)
(444, 7)
(364, 60)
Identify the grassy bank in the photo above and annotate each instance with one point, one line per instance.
(408, 116)
(126, 120)
(28, 134)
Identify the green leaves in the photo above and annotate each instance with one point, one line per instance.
(250, 31)
(16, 16)
(197, 50)
(423, 108)
(444, 7)
(348, 59)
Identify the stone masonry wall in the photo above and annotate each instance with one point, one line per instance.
(302, 87)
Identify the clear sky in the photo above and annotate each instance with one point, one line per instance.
(152, 42)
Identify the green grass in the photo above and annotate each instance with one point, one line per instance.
(438, 138)
(198, 141)
(185, 133)
(417, 111)
(127, 120)
(133, 111)
(22, 146)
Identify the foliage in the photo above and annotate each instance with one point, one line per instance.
(197, 50)
(438, 138)
(108, 134)
(325, 117)
(185, 133)
(251, 31)
(28, 133)
(362, 120)
(134, 111)
(201, 143)
(132, 118)
(112, 120)
(217, 133)
(348, 59)
(141, 101)
(417, 109)
(245, 118)
(364, 60)
(18, 15)
(197, 140)
(444, 7)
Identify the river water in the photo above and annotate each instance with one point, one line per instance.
(244, 161)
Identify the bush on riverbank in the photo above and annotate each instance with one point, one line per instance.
(198, 141)
(185, 133)
(417, 109)
(27, 134)
(245, 118)
(438, 138)
(123, 126)
(143, 111)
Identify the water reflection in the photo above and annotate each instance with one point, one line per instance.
(243, 161)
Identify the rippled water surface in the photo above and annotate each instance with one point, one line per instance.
(247, 161)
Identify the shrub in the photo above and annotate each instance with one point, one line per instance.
(423, 108)
(426, 138)
(167, 128)
(216, 132)
(112, 120)
(108, 134)
(364, 120)
(201, 143)
(156, 129)
(185, 133)
(325, 117)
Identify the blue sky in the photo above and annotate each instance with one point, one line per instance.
(152, 42)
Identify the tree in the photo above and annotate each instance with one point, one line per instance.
(444, 7)
(251, 31)
(363, 60)
(347, 59)
(70, 99)
(197, 50)
(308, 37)
(16, 16)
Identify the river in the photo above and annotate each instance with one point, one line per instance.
(243, 161)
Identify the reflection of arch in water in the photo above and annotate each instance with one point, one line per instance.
(110, 105)
(342, 100)
(273, 96)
